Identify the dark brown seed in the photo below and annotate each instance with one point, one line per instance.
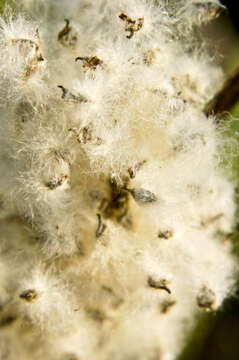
(159, 284)
(90, 62)
(131, 25)
(29, 295)
(68, 36)
(165, 234)
(165, 306)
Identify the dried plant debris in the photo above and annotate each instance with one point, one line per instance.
(131, 25)
(101, 226)
(117, 206)
(142, 196)
(84, 135)
(29, 49)
(134, 169)
(167, 234)
(57, 182)
(206, 298)
(228, 237)
(29, 295)
(166, 306)
(210, 220)
(33, 64)
(90, 62)
(161, 284)
(68, 36)
(69, 96)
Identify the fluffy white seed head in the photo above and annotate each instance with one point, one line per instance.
(114, 211)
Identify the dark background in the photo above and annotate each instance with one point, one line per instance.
(232, 6)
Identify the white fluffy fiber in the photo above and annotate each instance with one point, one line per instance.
(114, 213)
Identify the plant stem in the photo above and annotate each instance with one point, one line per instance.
(226, 98)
